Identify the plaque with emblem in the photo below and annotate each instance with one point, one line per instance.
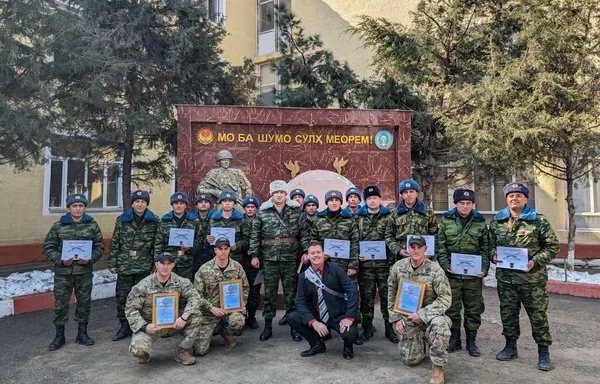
(165, 309)
(409, 296)
(231, 294)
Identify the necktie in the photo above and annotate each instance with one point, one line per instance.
(323, 313)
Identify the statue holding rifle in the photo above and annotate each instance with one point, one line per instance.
(225, 178)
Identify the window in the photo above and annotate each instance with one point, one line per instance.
(586, 196)
(268, 84)
(267, 25)
(216, 10)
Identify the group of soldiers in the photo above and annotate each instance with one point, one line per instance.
(272, 239)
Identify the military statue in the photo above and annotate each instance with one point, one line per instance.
(225, 178)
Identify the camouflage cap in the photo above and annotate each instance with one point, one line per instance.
(179, 196)
(227, 195)
(140, 195)
(461, 194)
(297, 192)
(77, 198)
(222, 241)
(277, 186)
(161, 257)
(417, 239)
(516, 186)
(407, 184)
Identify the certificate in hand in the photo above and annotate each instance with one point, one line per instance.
(372, 250)
(165, 308)
(181, 237)
(465, 264)
(218, 232)
(230, 295)
(339, 249)
(409, 296)
(429, 239)
(76, 249)
(512, 258)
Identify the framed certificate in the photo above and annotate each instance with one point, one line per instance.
(409, 296)
(76, 249)
(230, 295)
(165, 309)
(229, 233)
(512, 258)
(339, 249)
(181, 237)
(429, 240)
(465, 264)
(372, 250)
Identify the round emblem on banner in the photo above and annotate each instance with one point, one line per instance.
(205, 136)
(384, 140)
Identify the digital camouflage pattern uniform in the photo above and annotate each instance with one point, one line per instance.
(418, 220)
(338, 225)
(131, 252)
(532, 231)
(74, 277)
(241, 236)
(472, 238)
(139, 312)
(434, 330)
(277, 239)
(230, 179)
(206, 282)
(203, 251)
(185, 259)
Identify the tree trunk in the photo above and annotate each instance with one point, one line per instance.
(127, 167)
(571, 225)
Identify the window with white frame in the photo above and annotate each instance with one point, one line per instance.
(267, 25)
(586, 196)
(269, 82)
(216, 10)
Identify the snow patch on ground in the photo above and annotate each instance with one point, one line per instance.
(554, 273)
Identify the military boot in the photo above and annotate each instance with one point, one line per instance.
(184, 357)
(142, 357)
(471, 345)
(123, 332)
(390, 334)
(510, 350)
(59, 338)
(368, 330)
(437, 374)
(251, 319)
(544, 363)
(229, 341)
(82, 336)
(267, 332)
(454, 344)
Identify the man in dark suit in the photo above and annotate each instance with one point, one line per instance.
(326, 299)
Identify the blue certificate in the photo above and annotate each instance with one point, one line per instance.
(181, 237)
(372, 250)
(231, 293)
(409, 297)
(165, 308)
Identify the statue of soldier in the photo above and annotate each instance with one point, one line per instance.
(225, 178)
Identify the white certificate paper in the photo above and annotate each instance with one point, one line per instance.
(229, 233)
(339, 249)
(465, 264)
(76, 249)
(512, 258)
(429, 240)
(181, 237)
(372, 250)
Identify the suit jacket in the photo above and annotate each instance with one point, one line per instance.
(335, 278)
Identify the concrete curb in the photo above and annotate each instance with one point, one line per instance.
(574, 289)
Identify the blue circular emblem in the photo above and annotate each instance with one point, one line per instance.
(384, 140)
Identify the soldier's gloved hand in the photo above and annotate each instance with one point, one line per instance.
(255, 262)
(68, 263)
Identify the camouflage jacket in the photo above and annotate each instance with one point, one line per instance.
(219, 179)
(404, 221)
(308, 222)
(241, 235)
(532, 231)
(131, 245)
(279, 236)
(203, 229)
(472, 239)
(437, 298)
(371, 226)
(340, 225)
(138, 309)
(67, 229)
(248, 221)
(161, 242)
(207, 281)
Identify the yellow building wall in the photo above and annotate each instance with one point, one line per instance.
(240, 24)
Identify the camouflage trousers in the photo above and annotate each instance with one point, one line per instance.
(64, 285)
(142, 342)
(275, 271)
(201, 257)
(417, 339)
(466, 293)
(370, 280)
(124, 285)
(184, 267)
(534, 298)
(230, 323)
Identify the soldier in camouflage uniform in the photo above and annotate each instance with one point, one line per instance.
(177, 218)
(519, 225)
(203, 251)
(250, 205)
(220, 268)
(74, 274)
(463, 230)
(371, 220)
(311, 207)
(278, 236)
(429, 327)
(230, 217)
(131, 254)
(353, 199)
(225, 178)
(139, 311)
(411, 217)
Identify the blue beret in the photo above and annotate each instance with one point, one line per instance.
(179, 196)
(140, 195)
(311, 199)
(333, 194)
(297, 191)
(371, 190)
(227, 195)
(77, 198)
(251, 200)
(202, 197)
(461, 194)
(353, 191)
(407, 184)
(516, 186)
